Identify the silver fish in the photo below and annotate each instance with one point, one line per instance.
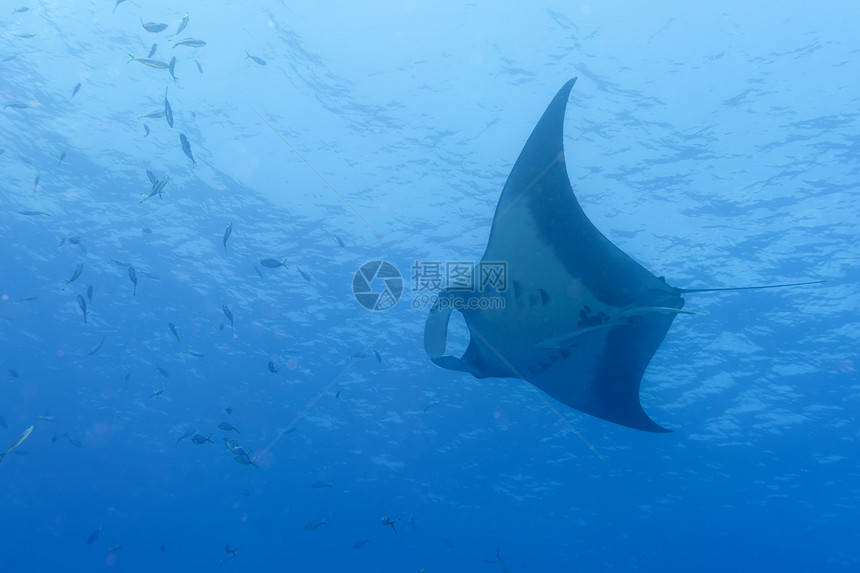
(186, 148)
(153, 27)
(255, 59)
(76, 274)
(157, 64)
(97, 347)
(182, 24)
(227, 232)
(190, 42)
(172, 67)
(132, 275)
(228, 314)
(168, 111)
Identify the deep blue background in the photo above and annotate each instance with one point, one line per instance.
(724, 151)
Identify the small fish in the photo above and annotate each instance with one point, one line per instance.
(13, 373)
(173, 330)
(360, 544)
(153, 27)
(231, 551)
(273, 263)
(200, 439)
(36, 183)
(259, 274)
(90, 293)
(190, 42)
(132, 275)
(195, 354)
(46, 418)
(168, 111)
(234, 447)
(227, 232)
(171, 67)
(75, 90)
(227, 427)
(339, 242)
(228, 410)
(186, 148)
(272, 368)
(78, 270)
(158, 392)
(20, 10)
(62, 157)
(378, 357)
(322, 485)
(94, 535)
(75, 240)
(127, 376)
(33, 213)
(311, 525)
(73, 441)
(502, 565)
(162, 371)
(157, 64)
(305, 275)
(97, 347)
(16, 105)
(431, 404)
(182, 24)
(255, 59)
(158, 114)
(145, 129)
(146, 230)
(387, 521)
(199, 67)
(152, 50)
(185, 434)
(83, 304)
(228, 314)
(113, 549)
(118, 2)
(21, 439)
(245, 460)
(157, 188)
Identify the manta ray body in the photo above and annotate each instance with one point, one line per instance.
(574, 315)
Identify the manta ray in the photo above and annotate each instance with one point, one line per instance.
(571, 313)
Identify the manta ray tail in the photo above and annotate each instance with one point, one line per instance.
(692, 290)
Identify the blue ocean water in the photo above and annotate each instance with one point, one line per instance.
(717, 144)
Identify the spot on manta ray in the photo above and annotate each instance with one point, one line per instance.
(581, 319)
